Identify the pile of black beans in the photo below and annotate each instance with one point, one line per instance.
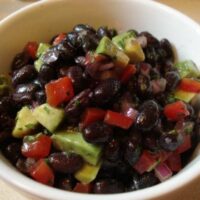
(122, 148)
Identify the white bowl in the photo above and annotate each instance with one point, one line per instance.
(43, 20)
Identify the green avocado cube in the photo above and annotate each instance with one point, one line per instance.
(87, 173)
(107, 47)
(25, 123)
(120, 40)
(71, 141)
(187, 69)
(48, 116)
(134, 50)
(42, 48)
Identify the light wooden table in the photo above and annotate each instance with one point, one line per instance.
(189, 7)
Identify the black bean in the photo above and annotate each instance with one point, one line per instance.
(165, 44)
(7, 105)
(65, 163)
(46, 74)
(75, 73)
(66, 183)
(108, 186)
(150, 142)
(6, 122)
(145, 180)
(52, 57)
(112, 150)
(132, 150)
(4, 137)
(106, 91)
(103, 31)
(24, 75)
(112, 32)
(172, 79)
(66, 52)
(20, 61)
(13, 152)
(74, 39)
(37, 83)
(25, 165)
(75, 107)
(97, 132)
(26, 88)
(143, 86)
(170, 142)
(80, 60)
(22, 98)
(151, 40)
(148, 116)
(40, 96)
(83, 27)
(89, 42)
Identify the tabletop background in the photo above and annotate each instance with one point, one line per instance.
(190, 8)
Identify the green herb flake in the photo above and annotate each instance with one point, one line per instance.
(30, 126)
(77, 103)
(47, 110)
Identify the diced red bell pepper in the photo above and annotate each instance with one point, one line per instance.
(59, 38)
(186, 145)
(118, 119)
(31, 49)
(127, 73)
(174, 162)
(146, 162)
(176, 111)
(189, 85)
(40, 148)
(59, 91)
(82, 188)
(42, 173)
(92, 115)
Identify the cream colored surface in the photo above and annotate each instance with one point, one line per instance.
(189, 7)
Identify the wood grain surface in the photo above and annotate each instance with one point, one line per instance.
(190, 8)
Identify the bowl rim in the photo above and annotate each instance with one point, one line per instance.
(28, 185)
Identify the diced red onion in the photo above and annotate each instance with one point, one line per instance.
(163, 172)
(142, 40)
(158, 85)
(106, 66)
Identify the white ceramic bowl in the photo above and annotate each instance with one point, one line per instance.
(43, 20)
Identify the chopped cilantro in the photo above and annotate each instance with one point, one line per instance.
(30, 126)
(47, 110)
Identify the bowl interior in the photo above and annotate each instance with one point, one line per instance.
(45, 19)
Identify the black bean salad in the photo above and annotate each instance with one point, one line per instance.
(95, 111)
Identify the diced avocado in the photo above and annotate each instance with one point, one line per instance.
(43, 47)
(120, 40)
(25, 123)
(187, 69)
(183, 95)
(134, 50)
(87, 173)
(5, 85)
(48, 116)
(38, 64)
(71, 141)
(107, 47)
